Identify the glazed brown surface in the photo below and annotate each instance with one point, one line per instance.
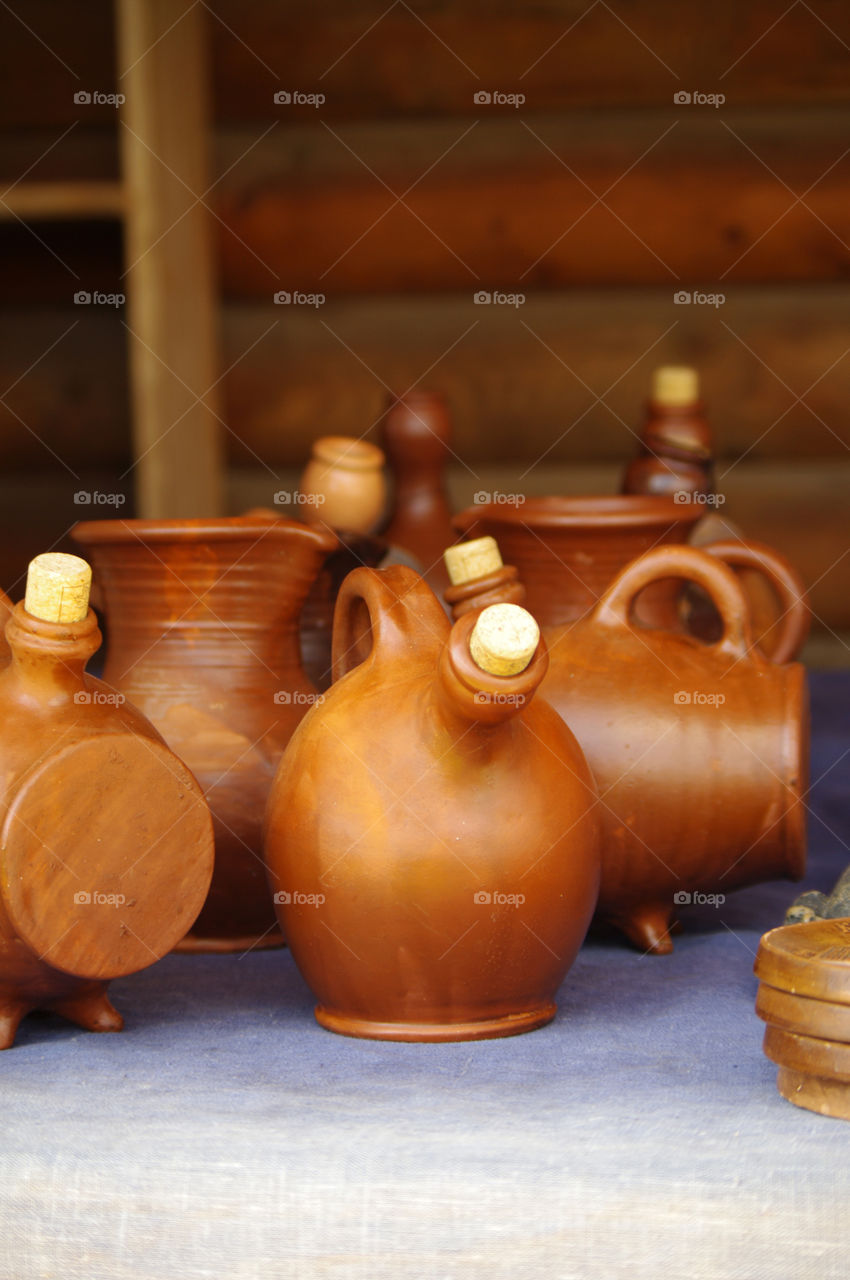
(431, 832)
(203, 637)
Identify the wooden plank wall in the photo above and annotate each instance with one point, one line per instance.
(399, 197)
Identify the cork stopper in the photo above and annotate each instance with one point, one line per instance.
(504, 639)
(58, 588)
(675, 384)
(470, 560)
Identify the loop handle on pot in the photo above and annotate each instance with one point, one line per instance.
(782, 577)
(614, 607)
(386, 614)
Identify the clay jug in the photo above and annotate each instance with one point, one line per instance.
(203, 637)
(106, 850)
(417, 436)
(675, 449)
(568, 550)
(431, 835)
(343, 485)
(700, 751)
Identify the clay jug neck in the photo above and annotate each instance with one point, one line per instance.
(680, 432)
(48, 658)
(501, 586)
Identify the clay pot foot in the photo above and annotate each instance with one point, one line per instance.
(649, 930)
(93, 1012)
(10, 1020)
(197, 944)
(512, 1024)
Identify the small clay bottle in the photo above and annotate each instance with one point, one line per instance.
(675, 451)
(417, 436)
(478, 578)
(343, 485)
(106, 851)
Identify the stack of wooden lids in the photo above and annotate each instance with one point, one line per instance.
(804, 997)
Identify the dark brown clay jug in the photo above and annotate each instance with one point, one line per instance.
(203, 637)
(106, 850)
(675, 450)
(700, 751)
(417, 436)
(431, 834)
(568, 551)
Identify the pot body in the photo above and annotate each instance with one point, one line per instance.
(203, 638)
(700, 751)
(435, 873)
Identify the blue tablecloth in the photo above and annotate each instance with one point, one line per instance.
(225, 1135)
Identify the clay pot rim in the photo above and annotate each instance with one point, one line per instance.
(348, 452)
(201, 529)
(582, 511)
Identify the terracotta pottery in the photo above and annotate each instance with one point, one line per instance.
(106, 850)
(808, 959)
(203, 637)
(343, 485)
(568, 550)
(417, 436)
(828, 1059)
(829, 1097)
(824, 1019)
(675, 449)
(431, 836)
(700, 751)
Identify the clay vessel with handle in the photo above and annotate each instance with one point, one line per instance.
(203, 637)
(106, 850)
(700, 751)
(568, 550)
(431, 834)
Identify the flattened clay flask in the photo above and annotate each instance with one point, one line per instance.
(343, 485)
(417, 436)
(106, 850)
(675, 450)
(203, 638)
(700, 751)
(431, 834)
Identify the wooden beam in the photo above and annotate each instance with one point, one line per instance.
(171, 294)
(45, 201)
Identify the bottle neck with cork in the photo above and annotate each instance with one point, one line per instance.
(479, 578)
(52, 633)
(675, 455)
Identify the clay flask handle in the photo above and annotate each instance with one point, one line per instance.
(614, 607)
(386, 614)
(787, 584)
(6, 608)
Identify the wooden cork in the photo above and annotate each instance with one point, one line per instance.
(504, 639)
(675, 384)
(470, 560)
(58, 588)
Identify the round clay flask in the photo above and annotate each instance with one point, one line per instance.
(106, 850)
(343, 485)
(431, 834)
(203, 637)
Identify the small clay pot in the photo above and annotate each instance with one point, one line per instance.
(343, 485)
(106, 850)
(431, 834)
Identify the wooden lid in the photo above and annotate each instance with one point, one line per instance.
(58, 588)
(811, 959)
(675, 384)
(826, 1058)
(504, 639)
(466, 561)
(824, 1019)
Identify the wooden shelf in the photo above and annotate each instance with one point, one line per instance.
(59, 201)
